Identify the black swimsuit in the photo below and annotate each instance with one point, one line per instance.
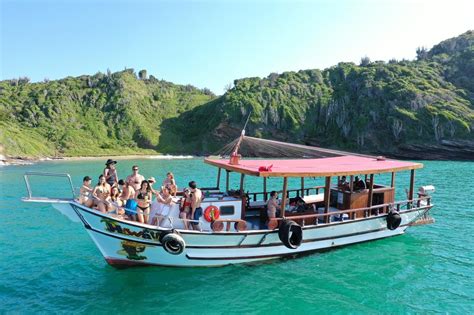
(141, 197)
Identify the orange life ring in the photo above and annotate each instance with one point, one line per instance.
(211, 213)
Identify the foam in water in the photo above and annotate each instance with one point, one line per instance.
(169, 157)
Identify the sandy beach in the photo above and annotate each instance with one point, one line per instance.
(27, 161)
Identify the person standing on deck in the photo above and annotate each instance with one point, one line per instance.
(170, 183)
(101, 194)
(110, 172)
(272, 205)
(196, 199)
(143, 198)
(127, 196)
(135, 180)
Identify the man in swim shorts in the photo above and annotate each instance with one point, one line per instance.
(196, 210)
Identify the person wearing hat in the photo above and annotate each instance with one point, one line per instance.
(152, 180)
(110, 173)
(85, 193)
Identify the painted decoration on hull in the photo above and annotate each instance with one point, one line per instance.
(132, 250)
(115, 227)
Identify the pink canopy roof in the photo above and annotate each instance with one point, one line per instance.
(331, 166)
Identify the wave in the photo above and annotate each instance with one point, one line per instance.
(169, 157)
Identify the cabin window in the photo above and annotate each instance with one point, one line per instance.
(227, 210)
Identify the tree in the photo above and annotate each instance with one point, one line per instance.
(228, 87)
(23, 80)
(364, 61)
(142, 75)
(421, 53)
(208, 92)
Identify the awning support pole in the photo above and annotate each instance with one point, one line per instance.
(283, 197)
(412, 187)
(243, 197)
(327, 194)
(302, 187)
(227, 180)
(265, 197)
(371, 193)
(218, 184)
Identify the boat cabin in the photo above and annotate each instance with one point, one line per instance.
(307, 205)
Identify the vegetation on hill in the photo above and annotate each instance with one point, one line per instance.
(113, 113)
(371, 107)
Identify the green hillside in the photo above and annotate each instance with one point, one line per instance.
(391, 108)
(113, 113)
(422, 108)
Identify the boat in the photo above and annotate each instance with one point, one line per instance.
(235, 228)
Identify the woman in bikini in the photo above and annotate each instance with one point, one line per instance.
(116, 202)
(143, 198)
(110, 172)
(185, 208)
(101, 194)
(85, 193)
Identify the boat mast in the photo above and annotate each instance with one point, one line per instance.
(235, 156)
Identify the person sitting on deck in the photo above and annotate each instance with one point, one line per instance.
(343, 184)
(101, 194)
(300, 205)
(185, 207)
(196, 210)
(359, 184)
(170, 183)
(164, 200)
(116, 202)
(110, 172)
(143, 198)
(85, 197)
(135, 180)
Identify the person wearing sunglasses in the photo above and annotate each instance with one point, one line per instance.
(135, 180)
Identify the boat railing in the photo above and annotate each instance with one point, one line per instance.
(171, 220)
(46, 174)
(416, 203)
(421, 203)
(298, 192)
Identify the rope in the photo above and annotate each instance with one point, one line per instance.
(255, 147)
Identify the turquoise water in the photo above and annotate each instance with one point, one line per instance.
(49, 264)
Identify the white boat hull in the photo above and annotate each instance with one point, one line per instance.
(124, 243)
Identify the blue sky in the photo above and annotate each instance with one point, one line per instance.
(211, 43)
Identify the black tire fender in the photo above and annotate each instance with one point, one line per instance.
(173, 243)
(290, 234)
(393, 220)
